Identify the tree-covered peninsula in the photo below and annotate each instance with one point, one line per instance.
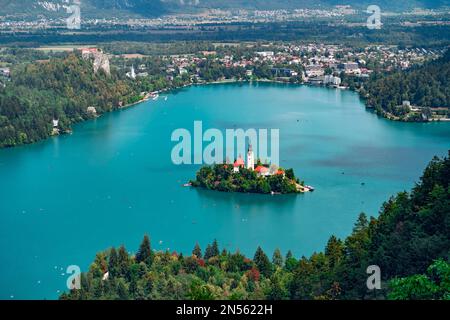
(409, 241)
(66, 89)
(261, 179)
(420, 93)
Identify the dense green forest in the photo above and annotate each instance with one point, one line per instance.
(409, 241)
(426, 86)
(59, 88)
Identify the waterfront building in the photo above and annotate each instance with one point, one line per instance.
(314, 71)
(262, 171)
(332, 80)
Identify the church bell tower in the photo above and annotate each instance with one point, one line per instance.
(250, 158)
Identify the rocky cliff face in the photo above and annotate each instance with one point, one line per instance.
(100, 60)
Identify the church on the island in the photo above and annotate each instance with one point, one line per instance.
(261, 170)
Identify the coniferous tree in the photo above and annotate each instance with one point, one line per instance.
(208, 252)
(277, 259)
(124, 262)
(290, 264)
(122, 291)
(334, 251)
(212, 250)
(277, 288)
(215, 249)
(113, 264)
(353, 268)
(289, 254)
(197, 251)
(262, 262)
(144, 253)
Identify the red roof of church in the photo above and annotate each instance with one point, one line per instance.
(261, 169)
(239, 162)
(280, 172)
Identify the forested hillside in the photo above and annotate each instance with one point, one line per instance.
(409, 241)
(426, 86)
(60, 89)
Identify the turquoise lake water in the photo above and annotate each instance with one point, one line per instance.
(111, 181)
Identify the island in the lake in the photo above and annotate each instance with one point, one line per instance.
(249, 178)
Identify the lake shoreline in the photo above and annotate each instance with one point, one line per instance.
(148, 96)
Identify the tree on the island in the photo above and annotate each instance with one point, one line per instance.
(113, 263)
(144, 253)
(290, 173)
(262, 262)
(262, 186)
(277, 259)
(197, 251)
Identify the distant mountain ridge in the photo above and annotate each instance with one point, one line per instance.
(154, 8)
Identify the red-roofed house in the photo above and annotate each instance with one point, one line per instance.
(238, 164)
(262, 171)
